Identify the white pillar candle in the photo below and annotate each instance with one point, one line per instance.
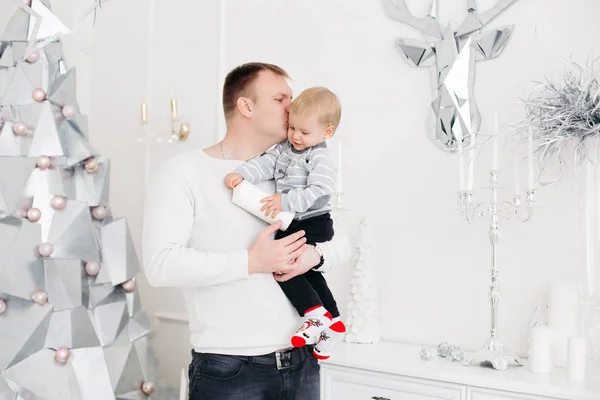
(183, 386)
(530, 158)
(248, 197)
(540, 350)
(495, 143)
(461, 169)
(517, 171)
(471, 168)
(563, 311)
(576, 358)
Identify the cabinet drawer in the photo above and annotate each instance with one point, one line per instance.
(340, 383)
(488, 394)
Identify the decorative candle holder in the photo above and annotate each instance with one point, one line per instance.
(493, 351)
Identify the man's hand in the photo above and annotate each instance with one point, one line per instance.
(233, 179)
(272, 205)
(307, 260)
(280, 256)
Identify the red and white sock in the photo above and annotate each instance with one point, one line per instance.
(316, 319)
(329, 338)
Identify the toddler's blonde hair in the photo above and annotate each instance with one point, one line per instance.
(319, 102)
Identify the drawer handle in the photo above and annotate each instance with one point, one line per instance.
(379, 398)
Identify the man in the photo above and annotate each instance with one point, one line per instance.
(226, 260)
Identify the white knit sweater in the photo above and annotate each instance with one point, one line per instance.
(194, 238)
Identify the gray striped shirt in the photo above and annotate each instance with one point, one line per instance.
(305, 179)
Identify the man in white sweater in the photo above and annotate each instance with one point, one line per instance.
(226, 260)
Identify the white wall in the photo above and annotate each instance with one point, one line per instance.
(432, 269)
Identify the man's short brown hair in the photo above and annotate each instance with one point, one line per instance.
(238, 83)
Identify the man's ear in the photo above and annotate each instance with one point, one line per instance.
(245, 106)
(329, 132)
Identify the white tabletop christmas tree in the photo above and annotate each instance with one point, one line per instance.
(362, 312)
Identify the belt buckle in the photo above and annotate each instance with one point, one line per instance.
(283, 358)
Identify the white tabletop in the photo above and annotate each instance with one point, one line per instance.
(404, 359)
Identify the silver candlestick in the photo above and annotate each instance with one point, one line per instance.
(336, 204)
(493, 351)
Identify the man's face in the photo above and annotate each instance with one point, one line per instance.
(273, 98)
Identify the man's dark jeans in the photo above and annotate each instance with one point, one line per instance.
(289, 375)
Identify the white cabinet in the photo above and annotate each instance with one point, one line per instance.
(394, 371)
(487, 394)
(340, 383)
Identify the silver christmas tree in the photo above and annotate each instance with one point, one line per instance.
(71, 322)
(362, 314)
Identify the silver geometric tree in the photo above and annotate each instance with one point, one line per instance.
(362, 313)
(71, 322)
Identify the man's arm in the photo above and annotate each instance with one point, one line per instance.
(261, 168)
(167, 226)
(337, 252)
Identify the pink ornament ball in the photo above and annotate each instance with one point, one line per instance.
(46, 249)
(91, 165)
(92, 268)
(39, 95)
(20, 128)
(2, 306)
(40, 297)
(34, 214)
(128, 286)
(69, 111)
(58, 202)
(148, 387)
(35, 56)
(62, 355)
(99, 212)
(43, 162)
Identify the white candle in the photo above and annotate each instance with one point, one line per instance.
(183, 386)
(461, 168)
(495, 143)
(471, 168)
(563, 311)
(530, 158)
(517, 169)
(576, 359)
(339, 168)
(540, 350)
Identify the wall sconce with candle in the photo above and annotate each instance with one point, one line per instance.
(180, 131)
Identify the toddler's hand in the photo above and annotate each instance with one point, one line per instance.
(272, 205)
(233, 179)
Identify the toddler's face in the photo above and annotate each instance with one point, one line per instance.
(304, 132)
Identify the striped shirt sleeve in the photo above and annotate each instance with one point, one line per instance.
(261, 168)
(320, 183)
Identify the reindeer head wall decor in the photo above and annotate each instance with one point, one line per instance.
(453, 53)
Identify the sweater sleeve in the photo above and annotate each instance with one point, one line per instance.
(261, 168)
(167, 227)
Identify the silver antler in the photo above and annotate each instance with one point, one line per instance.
(476, 21)
(397, 10)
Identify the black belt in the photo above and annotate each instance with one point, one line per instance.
(282, 359)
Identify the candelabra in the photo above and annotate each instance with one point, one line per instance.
(493, 351)
(336, 201)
